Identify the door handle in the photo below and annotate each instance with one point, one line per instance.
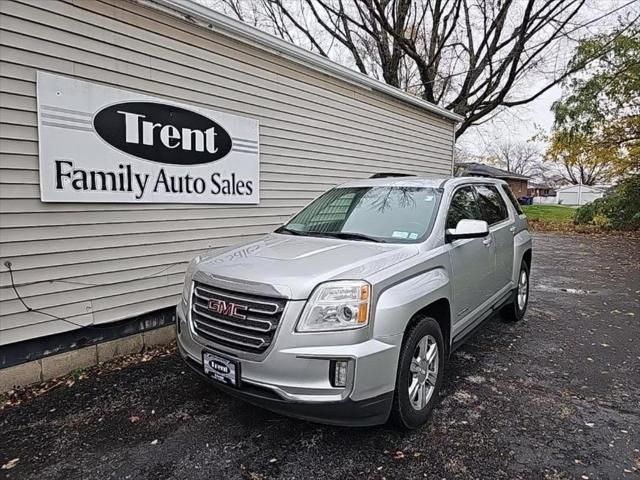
(512, 228)
(487, 242)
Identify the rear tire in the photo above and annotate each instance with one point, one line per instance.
(515, 311)
(419, 376)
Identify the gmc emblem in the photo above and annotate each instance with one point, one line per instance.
(227, 308)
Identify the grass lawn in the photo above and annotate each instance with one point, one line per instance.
(549, 213)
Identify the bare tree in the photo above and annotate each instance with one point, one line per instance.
(584, 172)
(462, 154)
(372, 51)
(517, 156)
(473, 57)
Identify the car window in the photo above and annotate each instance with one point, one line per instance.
(491, 204)
(513, 199)
(385, 213)
(463, 206)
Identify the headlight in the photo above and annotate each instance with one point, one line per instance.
(341, 305)
(186, 288)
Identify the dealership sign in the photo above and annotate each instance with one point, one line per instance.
(104, 144)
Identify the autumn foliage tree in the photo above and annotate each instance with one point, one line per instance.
(597, 122)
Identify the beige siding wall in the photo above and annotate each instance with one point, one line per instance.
(95, 263)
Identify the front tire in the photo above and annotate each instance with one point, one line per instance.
(515, 311)
(420, 373)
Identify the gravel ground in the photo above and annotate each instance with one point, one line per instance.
(556, 396)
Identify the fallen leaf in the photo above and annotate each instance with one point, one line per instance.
(10, 464)
(398, 455)
(17, 396)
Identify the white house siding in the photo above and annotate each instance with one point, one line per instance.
(97, 263)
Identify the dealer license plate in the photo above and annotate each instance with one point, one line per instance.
(221, 368)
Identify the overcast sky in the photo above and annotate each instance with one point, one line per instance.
(516, 124)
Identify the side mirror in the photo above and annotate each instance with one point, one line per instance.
(467, 229)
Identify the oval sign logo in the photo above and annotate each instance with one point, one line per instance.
(162, 133)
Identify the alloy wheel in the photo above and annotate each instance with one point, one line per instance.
(423, 372)
(523, 290)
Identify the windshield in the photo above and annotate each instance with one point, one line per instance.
(379, 214)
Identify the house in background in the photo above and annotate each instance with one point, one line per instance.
(540, 190)
(542, 193)
(517, 182)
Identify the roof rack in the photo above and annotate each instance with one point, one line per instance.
(391, 174)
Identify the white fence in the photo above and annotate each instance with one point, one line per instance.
(569, 197)
(545, 200)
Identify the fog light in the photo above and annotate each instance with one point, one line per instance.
(338, 373)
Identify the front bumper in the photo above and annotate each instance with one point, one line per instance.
(293, 377)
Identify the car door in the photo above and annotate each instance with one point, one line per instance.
(502, 228)
(472, 260)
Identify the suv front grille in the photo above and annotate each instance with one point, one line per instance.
(240, 321)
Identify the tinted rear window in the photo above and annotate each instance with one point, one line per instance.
(464, 206)
(493, 207)
(513, 199)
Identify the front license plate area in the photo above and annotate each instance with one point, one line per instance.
(221, 368)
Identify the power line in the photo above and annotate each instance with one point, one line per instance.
(89, 284)
(35, 310)
(56, 317)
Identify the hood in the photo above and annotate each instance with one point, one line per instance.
(293, 265)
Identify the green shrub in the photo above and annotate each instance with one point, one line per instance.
(584, 215)
(619, 210)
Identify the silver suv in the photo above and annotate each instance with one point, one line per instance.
(348, 313)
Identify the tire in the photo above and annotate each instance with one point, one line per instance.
(409, 412)
(516, 309)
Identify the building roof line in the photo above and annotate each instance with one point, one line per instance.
(247, 34)
(475, 168)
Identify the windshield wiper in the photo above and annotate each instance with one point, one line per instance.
(345, 235)
(284, 229)
(353, 236)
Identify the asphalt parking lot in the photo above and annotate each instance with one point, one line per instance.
(556, 396)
